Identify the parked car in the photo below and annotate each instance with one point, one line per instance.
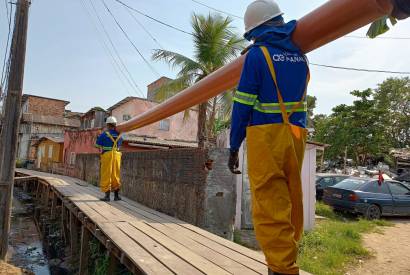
(404, 178)
(369, 198)
(327, 180)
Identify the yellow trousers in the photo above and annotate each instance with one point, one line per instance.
(275, 156)
(110, 171)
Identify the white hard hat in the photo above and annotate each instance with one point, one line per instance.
(111, 120)
(260, 11)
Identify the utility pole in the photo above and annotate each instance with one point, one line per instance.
(345, 161)
(11, 121)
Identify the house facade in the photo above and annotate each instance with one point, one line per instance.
(179, 127)
(42, 117)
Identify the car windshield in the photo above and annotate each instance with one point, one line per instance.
(350, 184)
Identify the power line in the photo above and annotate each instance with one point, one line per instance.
(5, 68)
(378, 37)
(152, 18)
(143, 27)
(359, 69)
(131, 78)
(346, 36)
(7, 8)
(129, 39)
(314, 64)
(217, 10)
(113, 61)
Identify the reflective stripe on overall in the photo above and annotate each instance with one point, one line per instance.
(110, 167)
(275, 156)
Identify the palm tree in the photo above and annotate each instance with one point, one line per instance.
(215, 44)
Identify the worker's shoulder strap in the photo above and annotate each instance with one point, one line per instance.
(115, 141)
(285, 115)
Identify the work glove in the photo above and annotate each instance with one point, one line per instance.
(233, 163)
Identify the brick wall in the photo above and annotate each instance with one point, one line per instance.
(176, 182)
(46, 107)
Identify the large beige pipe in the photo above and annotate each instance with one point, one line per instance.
(325, 24)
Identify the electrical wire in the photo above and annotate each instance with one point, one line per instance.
(217, 10)
(129, 39)
(131, 78)
(152, 18)
(5, 69)
(143, 27)
(346, 36)
(378, 37)
(359, 69)
(314, 64)
(113, 61)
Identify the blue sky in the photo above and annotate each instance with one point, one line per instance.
(66, 59)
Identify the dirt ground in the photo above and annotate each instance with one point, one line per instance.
(391, 250)
(6, 269)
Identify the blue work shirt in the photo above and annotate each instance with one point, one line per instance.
(105, 143)
(256, 100)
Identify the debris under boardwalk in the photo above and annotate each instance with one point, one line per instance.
(145, 240)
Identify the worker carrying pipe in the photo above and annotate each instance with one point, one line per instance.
(270, 110)
(109, 143)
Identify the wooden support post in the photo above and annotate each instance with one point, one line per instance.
(74, 233)
(39, 184)
(11, 121)
(113, 265)
(53, 206)
(46, 193)
(85, 250)
(64, 220)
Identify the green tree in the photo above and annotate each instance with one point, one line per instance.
(393, 104)
(311, 105)
(377, 121)
(215, 44)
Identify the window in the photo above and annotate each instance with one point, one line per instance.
(50, 151)
(164, 125)
(351, 184)
(72, 159)
(126, 117)
(92, 123)
(25, 107)
(326, 182)
(398, 189)
(375, 187)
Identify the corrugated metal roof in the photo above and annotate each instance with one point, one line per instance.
(160, 142)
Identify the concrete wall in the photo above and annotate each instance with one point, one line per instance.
(178, 130)
(190, 184)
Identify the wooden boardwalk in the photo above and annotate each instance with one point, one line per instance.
(144, 240)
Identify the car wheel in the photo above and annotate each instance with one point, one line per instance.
(373, 212)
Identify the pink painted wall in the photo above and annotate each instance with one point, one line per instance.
(80, 142)
(178, 130)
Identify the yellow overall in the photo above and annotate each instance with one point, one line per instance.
(110, 167)
(275, 156)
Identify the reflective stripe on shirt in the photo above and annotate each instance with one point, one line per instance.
(274, 108)
(245, 98)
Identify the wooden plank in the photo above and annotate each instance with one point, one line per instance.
(156, 248)
(84, 250)
(139, 256)
(202, 244)
(153, 241)
(219, 259)
(228, 257)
